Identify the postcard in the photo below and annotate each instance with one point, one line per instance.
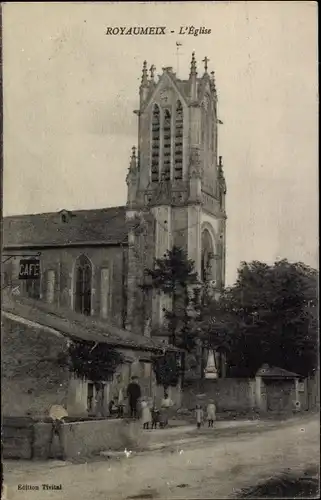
(160, 250)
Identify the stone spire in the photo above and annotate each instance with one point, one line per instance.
(193, 79)
(133, 159)
(212, 82)
(144, 81)
(144, 86)
(132, 171)
(131, 178)
(221, 177)
(193, 71)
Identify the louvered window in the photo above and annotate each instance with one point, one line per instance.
(178, 158)
(155, 144)
(167, 130)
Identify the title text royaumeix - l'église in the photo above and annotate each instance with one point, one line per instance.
(156, 30)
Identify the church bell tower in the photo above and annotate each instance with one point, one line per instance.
(176, 174)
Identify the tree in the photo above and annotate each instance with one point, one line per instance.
(173, 275)
(166, 369)
(270, 317)
(93, 361)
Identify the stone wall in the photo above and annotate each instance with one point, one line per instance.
(32, 381)
(141, 252)
(228, 394)
(17, 437)
(313, 391)
(83, 439)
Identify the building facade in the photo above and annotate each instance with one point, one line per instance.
(93, 261)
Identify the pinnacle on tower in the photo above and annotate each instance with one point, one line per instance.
(132, 171)
(212, 82)
(133, 161)
(220, 167)
(133, 157)
(193, 66)
(144, 74)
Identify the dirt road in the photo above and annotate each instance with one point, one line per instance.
(213, 469)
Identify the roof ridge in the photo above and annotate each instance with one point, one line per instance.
(68, 210)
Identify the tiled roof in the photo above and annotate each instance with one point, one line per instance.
(76, 325)
(105, 225)
(275, 372)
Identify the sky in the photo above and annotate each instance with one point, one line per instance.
(70, 91)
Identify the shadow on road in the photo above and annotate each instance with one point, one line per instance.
(286, 485)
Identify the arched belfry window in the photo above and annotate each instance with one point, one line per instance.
(167, 129)
(83, 275)
(155, 144)
(178, 168)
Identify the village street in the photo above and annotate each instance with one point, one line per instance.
(213, 468)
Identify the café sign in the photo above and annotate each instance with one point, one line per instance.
(29, 269)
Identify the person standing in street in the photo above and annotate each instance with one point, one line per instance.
(199, 416)
(146, 415)
(166, 404)
(121, 403)
(211, 413)
(133, 394)
(57, 414)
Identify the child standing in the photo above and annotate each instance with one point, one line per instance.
(211, 413)
(199, 416)
(146, 415)
(155, 415)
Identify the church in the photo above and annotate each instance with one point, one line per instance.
(92, 261)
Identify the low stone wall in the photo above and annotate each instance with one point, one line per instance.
(228, 394)
(17, 437)
(83, 439)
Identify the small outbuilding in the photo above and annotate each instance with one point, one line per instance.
(277, 390)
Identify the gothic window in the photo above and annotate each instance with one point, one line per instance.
(50, 286)
(104, 292)
(83, 275)
(178, 169)
(167, 129)
(155, 144)
(207, 257)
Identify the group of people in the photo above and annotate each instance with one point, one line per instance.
(154, 416)
(210, 414)
(151, 415)
(117, 404)
(138, 407)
